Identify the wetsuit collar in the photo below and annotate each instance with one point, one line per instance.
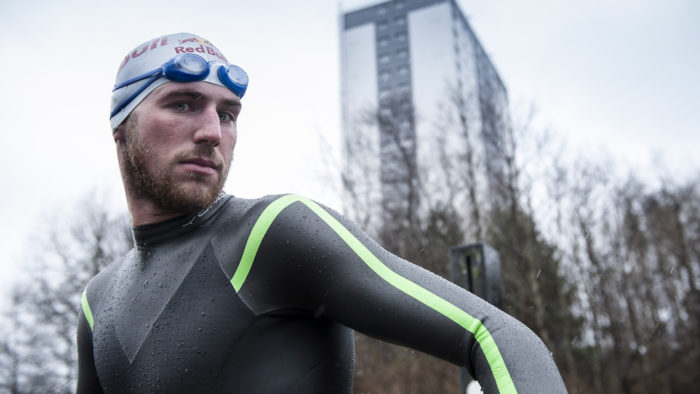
(153, 234)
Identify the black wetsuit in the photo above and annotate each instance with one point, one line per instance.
(260, 296)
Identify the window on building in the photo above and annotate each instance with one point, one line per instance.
(398, 4)
(383, 42)
(384, 58)
(384, 97)
(402, 53)
(384, 75)
(384, 94)
(403, 70)
(401, 38)
(382, 25)
(400, 21)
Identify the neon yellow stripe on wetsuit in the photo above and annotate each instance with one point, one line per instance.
(440, 305)
(86, 309)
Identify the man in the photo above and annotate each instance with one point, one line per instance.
(222, 294)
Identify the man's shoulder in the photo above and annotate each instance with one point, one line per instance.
(243, 220)
(98, 286)
(255, 207)
(279, 215)
(234, 201)
(269, 208)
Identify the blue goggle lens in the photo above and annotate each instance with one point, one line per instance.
(186, 68)
(191, 63)
(234, 78)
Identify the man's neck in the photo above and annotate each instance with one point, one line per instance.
(146, 212)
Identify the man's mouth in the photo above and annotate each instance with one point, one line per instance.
(200, 165)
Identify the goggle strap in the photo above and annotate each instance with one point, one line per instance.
(136, 93)
(135, 79)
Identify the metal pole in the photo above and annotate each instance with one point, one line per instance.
(477, 268)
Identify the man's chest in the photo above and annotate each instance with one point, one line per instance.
(171, 316)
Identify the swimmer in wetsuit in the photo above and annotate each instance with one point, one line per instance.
(257, 296)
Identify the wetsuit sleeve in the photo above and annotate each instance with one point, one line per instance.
(87, 374)
(304, 256)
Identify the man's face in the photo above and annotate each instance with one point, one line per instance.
(178, 145)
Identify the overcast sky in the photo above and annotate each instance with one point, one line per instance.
(615, 76)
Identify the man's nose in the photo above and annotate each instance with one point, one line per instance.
(208, 127)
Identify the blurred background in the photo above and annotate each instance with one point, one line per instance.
(565, 138)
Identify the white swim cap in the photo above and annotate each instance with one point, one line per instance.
(151, 56)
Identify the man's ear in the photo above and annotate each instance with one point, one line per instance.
(119, 134)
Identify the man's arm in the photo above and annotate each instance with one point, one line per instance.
(87, 375)
(318, 261)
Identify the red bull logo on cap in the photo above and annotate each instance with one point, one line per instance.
(158, 42)
(204, 47)
(200, 49)
(195, 40)
(185, 45)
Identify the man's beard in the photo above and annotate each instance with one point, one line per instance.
(158, 185)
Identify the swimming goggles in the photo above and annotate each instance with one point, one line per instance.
(187, 67)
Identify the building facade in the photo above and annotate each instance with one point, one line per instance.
(417, 89)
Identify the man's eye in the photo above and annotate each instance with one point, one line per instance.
(181, 107)
(226, 117)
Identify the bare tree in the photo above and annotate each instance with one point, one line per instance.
(39, 343)
(631, 253)
(475, 191)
